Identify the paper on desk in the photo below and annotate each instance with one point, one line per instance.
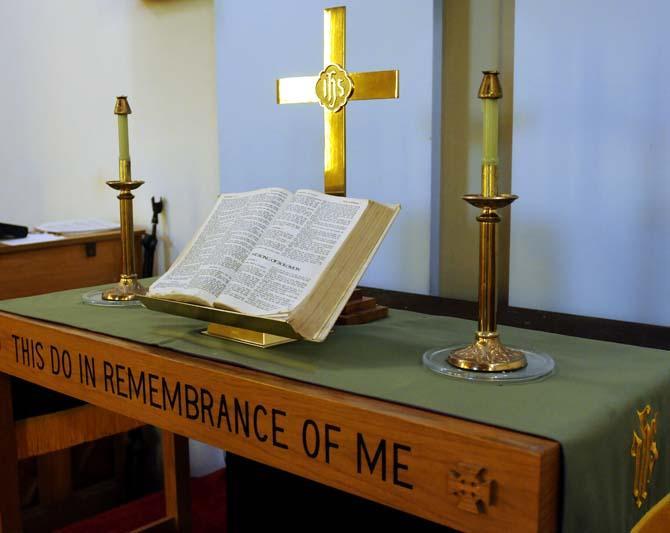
(32, 238)
(81, 225)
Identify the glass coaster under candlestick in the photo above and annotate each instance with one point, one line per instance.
(538, 365)
(95, 298)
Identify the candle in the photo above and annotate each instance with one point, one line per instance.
(490, 92)
(124, 150)
(122, 110)
(490, 138)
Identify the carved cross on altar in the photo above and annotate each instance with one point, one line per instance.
(468, 484)
(332, 89)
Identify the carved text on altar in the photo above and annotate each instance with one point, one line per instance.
(376, 458)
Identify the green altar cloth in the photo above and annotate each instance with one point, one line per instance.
(589, 405)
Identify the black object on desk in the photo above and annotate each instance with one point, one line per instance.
(149, 241)
(11, 231)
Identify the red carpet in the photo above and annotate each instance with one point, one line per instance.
(208, 495)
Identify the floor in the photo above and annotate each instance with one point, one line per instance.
(208, 495)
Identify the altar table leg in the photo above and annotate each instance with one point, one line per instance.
(54, 477)
(176, 475)
(10, 504)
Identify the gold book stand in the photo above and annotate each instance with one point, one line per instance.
(229, 325)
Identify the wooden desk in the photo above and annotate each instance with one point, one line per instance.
(30, 269)
(462, 474)
(68, 263)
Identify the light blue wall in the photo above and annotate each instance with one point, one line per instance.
(591, 159)
(392, 145)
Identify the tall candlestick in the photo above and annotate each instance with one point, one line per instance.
(128, 287)
(490, 92)
(487, 355)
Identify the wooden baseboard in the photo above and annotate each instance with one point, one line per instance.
(646, 335)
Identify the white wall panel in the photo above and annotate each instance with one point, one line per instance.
(591, 159)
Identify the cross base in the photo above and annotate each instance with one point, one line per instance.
(361, 310)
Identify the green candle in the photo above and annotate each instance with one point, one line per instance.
(124, 150)
(490, 92)
(490, 138)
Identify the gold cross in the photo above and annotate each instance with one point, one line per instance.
(333, 88)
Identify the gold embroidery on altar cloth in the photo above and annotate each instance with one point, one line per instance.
(645, 452)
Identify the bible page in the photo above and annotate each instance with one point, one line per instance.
(288, 259)
(220, 246)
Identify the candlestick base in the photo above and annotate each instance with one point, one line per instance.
(538, 365)
(487, 354)
(126, 289)
(95, 298)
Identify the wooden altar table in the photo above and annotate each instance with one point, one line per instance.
(467, 475)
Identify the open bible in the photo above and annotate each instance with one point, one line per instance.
(272, 253)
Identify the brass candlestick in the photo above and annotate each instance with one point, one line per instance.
(488, 353)
(128, 286)
(487, 358)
